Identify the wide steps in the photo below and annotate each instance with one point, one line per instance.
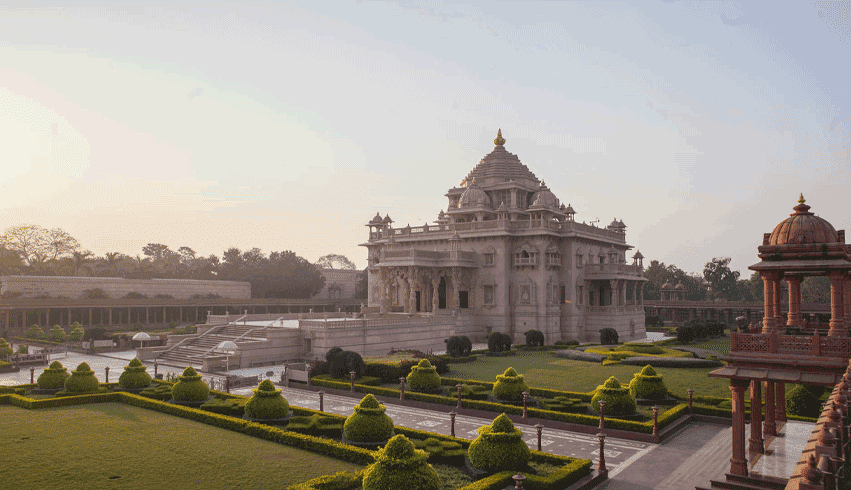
(739, 482)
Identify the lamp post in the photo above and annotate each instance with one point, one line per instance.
(690, 396)
(229, 348)
(601, 464)
(540, 429)
(602, 414)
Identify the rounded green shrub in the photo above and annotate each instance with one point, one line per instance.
(53, 377)
(801, 402)
(424, 377)
(56, 334)
(618, 399)
(5, 349)
(134, 376)
(190, 387)
(398, 466)
(82, 380)
(267, 403)
(608, 336)
(509, 386)
(499, 447)
(35, 332)
(368, 423)
(76, 333)
(648, 385)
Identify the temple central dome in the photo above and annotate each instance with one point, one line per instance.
(501, 166)
(802, 227)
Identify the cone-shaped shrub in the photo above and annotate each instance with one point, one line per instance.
(267, 403)
(190, 387)
(134, 376)
(76, 333)
(82, 380)
(53, 377)
(368, 423)
(801, 401)
(5, 349)
(35, 332)
(56, 334)
(618, 400)
(509, 385)
(424, 377)
(398, 466)
(499, 447)
(648, 385)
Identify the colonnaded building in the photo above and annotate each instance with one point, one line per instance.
(506, 255)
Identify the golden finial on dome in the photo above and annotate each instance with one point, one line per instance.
(801, 199)
(499, 141)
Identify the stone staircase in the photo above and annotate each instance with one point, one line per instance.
(192, 351)
(753, 482)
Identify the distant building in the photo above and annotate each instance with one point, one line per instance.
(339, 284)
(506, 255)
(117, 287)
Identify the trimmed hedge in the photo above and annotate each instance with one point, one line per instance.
(608, 336)
(368, 423)
(618, 399)
(134, 376)
(499, 342)
(53, 377)
(648, 385)
(399, 466)
(499, 447)
(458, 346)
(82, 380)
(190, 387)
(424, 378)
(267, 402)
(509, 386)
(534, 338)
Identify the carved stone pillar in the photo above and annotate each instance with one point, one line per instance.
(837, 314)
(641, 293)
(384, 293)
(435, 300)
(794, 315)
(779, 326)
(756, 442)
(769, 428)
(780, 401)
(846, 300)
(768, 300)
(406, 297)
(738, 463)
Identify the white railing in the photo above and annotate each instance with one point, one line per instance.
(562, 227)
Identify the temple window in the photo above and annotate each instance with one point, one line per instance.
(488, 259)
(488, 295)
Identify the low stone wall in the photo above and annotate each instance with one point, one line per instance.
(376, 337)
(117, 287)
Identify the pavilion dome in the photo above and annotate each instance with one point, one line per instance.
(803, 227)
(545, 197)
(474, 197)
(501, 166)
(667, 285)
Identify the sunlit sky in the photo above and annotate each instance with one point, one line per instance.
(288, 125)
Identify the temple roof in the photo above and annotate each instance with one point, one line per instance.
(803, 227)
(501, 166)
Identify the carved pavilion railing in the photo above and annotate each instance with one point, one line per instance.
(802, 345)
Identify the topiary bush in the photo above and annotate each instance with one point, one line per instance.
(399, 466)
(82, 380)
(618, 399)
(342, 362)
(97, 332)
(368, 423)
(499, 447)
(534, 338)
(35, 333)
(608, 336)
(509, 386)
(648, 385)
(54, 377)
(56, 334)
(134, 376)
(5, 349)
(801, 401)
(76, 333)
(267, 403)
(424, 378)
(499, 342)
(190, 387)
(458, 346)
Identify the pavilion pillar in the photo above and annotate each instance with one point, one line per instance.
(412, 294)
(110, 316)
(165, 320)
(837, 323)
(756, 441)
(383, 291)
(147, 315)
(780, 401)
(90, 316)
(846, 300)
(770, 427)
(768, 300)
(738, 463)
(435, 302)
(779, 327)
(794, 315)
(69, 316)
(641, 293)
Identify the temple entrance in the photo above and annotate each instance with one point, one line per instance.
(441, 294)
(463, 299)
(417, 300)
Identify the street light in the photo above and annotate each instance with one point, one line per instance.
(229, 348)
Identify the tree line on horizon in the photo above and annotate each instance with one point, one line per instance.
(34, 250)
(719, 282)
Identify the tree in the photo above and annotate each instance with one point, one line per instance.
(362, 286)
(81, 261)
(37, 244)
(60, 243)
(10, 262)
(721, 279)
(815, 289)
(335, 261)
(755, 287)
(658, 274)
(109, 264)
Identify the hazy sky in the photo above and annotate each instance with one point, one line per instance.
(287, 125)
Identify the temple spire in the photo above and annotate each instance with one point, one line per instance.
(499, 141)
(801, 199)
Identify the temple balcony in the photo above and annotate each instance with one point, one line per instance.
(566, 228)
(612, 271)
(426, 258)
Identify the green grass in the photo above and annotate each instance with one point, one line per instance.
(721, 345)
(90, 445)
(543, 370)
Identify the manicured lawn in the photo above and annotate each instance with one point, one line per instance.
(543, 370)
(113, 445)
(721, 345)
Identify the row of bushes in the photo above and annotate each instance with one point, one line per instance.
(699, 328)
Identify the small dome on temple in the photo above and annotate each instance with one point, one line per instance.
(474, 197)
(499, 141)
(667, 285)
(387, 219)
(544, 197)
(377, 219)
(679, 286)
(803, 227)
(638, 255)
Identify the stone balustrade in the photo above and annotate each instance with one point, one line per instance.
(567, 227)
(802, 345)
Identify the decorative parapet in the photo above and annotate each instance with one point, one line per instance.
(566, 228)
(612, 271)
(364, 323)
(427, 258)
(790, 345)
